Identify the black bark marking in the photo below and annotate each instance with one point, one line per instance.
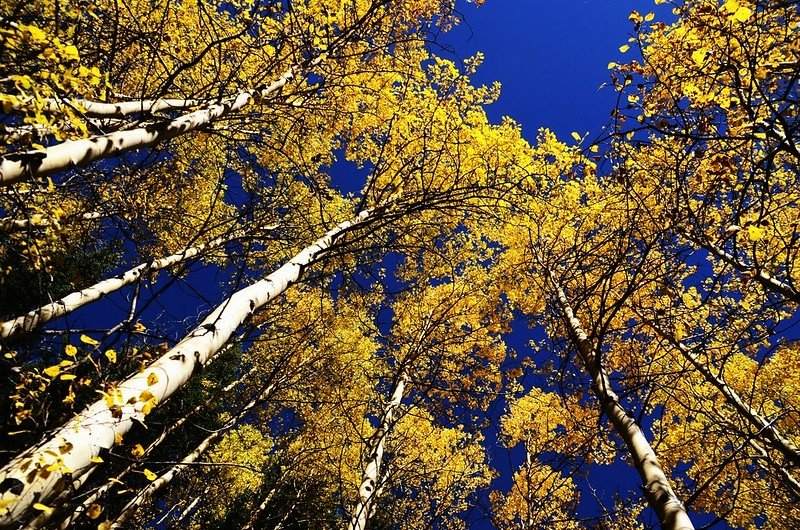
(13, 485)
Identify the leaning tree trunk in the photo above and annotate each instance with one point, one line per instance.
(169, 429)
(371, 479)
(765, 430)
(148, 491)
(40, 473)
(768, 282)
(660, 496)
(42, 315)
(16, 167)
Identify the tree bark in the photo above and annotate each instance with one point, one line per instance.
(16, 167)
(25, 323)
(371, 479)
(660, 496)
(25, 481)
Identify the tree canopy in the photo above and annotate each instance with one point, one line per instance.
(199, 329)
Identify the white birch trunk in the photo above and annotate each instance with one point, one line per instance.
(660, 496)
(149, 490)
(19, 225)
(172, 427)
(25, 482)
(16, 167)
(789, 480)
(40, 316)
(765, 429)
(99, 109)
(767, 281)
(371, 479)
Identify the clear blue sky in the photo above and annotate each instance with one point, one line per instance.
(550, 57)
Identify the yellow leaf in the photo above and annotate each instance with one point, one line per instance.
(137, 450)
(152, 379)
(66, 362)
(70, 350)
(624, 48)
(94, 511)
(699, 56)
(105, 525)
(742, 14)
(731, 6)
(139, 327)
(148, 405)
(117, 438)
(52, 371)
(42, 508)
(149, 475)
(111, 355)
(576, 136)
(612, 65)
(680, 331)
(89, 340)
(97, 460)
(754, 233)
(649, 17)
(67, 377)
(71, 52)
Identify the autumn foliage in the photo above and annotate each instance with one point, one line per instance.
(199, 329)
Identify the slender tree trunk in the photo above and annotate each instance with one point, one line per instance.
(40, 316)
(149, 490)
(99, 109)
(767, 281)
(25, 481)
(371, 479)
(188, 510)
(172, 427)
(660, 496)
(256, 513)
(19, 225)
(765, 429)
(789, 480)
(16, 167)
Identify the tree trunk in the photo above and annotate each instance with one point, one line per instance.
(172, 427)
(25, 481)
(40, 316)
(371, 479)
(16, 167)
(765, 429)
(660, 496)
(19, 225)
(767, 282)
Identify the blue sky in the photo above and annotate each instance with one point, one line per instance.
(550, 57)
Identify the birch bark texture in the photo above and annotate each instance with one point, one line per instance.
(371, 480)
(660, 496)
(25, 480)
(17, 167)
(38, 317)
